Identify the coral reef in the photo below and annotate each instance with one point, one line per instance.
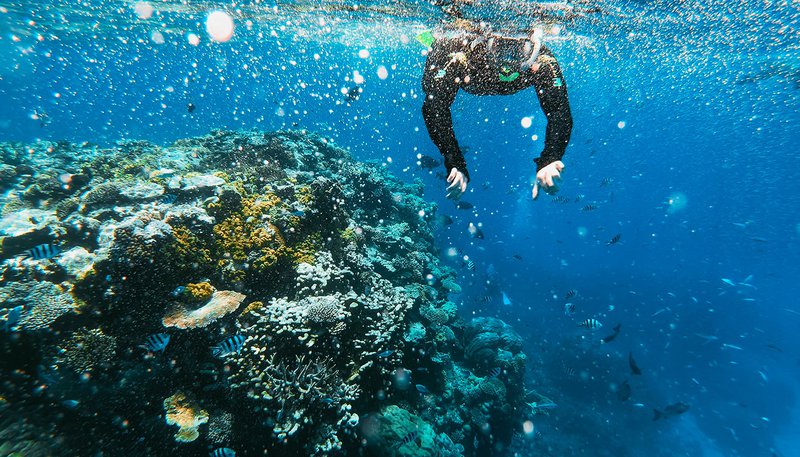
(347, 300)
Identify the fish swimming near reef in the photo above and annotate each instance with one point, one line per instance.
(223, 452)
(591, 324)
(422, 389)
(495, 372)
(624, 392)
(42, 251)
(229, 346)
(613, 336)
(464, 205)
(156, 342)
(614, 240)
(634, 367)
(12, 318)
(410, 437)
(168, 199)
(428, 162)
(384, 354)
(675, 409)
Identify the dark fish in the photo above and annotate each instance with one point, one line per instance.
(168, 199)
(12, 318)
(611, 337)
(675, 409)
(353, 93)
(156, 342)
(495, 372)
(409, 438)
(190, 107)
(43, 251)
(591, 324)
(517, 256)
(428, 162)
(632, 363)
(464, 205)
(561, 199)
(223, 452)
(570, 294)
(569, 309)
(385, 354)
(486, 299)
(478, 233)
(605, 182)
(624, 392)
(589, 207)
(614, 240)
(422, 389)
(229, 346)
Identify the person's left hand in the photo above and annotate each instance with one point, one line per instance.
(458, 184)
(546, 177)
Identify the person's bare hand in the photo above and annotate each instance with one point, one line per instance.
(458, 184)
(546, 177)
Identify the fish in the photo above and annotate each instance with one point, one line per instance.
(569, 309)
(634, 367)
(385, 354)
(464, 205)
(624, 392)
(589, 207)
(408, 438)
(728, 282)
(178, 291)
(475, 231)
(422, 389)
(486, 299)
(190, 107)
(328, 400)
(352, 93)
(443, 220)
(517, 256)
(168, 199)
(605, 182)
(614, 240)
(495, 372)
(223, 452)
(156, 342)
(675, 409)
(228, 346)
(12, 318)
(591, 324)
(469, 264)
(732, 346)
(42, 251)
(427, 162)
(560, 199)
(613, 336)
(544, 405)
(570, 294)
(506, 300)
(70, 404)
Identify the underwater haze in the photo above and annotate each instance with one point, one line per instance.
(224, 231)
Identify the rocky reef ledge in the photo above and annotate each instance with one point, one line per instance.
(262, 292)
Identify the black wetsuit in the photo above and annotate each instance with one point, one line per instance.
(474, 71)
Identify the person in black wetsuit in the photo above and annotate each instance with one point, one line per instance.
(486, 63)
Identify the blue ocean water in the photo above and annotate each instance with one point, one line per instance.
(685, 139)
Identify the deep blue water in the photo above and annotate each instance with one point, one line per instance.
(691, 101)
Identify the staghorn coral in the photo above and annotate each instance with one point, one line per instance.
(87, 350)
(222, 302)
(186, 414)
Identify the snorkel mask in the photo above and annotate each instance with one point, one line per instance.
(513, 55)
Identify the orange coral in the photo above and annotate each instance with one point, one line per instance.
(186, 414)
(222, 302)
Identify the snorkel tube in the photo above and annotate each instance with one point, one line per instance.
(536, 39)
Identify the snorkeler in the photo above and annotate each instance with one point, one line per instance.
(483, 62)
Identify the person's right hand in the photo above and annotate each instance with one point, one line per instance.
(458, 184)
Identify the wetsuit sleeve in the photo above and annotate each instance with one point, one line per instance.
(440, 83)
(552, 92)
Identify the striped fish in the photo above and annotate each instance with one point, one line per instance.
(409, 438)
(156, 342)
(591, 324)
(495, 372)
(169, 199)
(223, 452)
(43, 251)
(570, 294)
(469, 264)
(569, 309)
(229, 346)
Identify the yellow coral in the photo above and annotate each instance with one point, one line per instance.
(186, 414)
(306, 250)
(187, 248)
(304, 195)
(255, 306)
(199, 292)
(247, 231)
